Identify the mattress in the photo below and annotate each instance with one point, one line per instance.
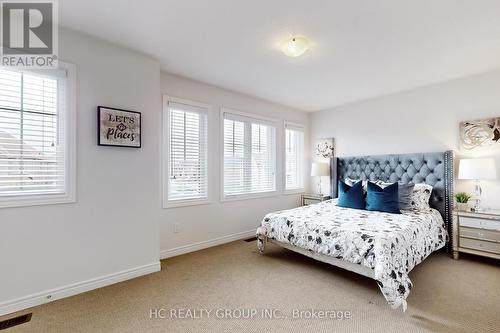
(389, 244)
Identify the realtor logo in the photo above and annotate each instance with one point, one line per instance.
(29, 33)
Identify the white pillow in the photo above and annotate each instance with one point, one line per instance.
(351, 182)
(421, 196)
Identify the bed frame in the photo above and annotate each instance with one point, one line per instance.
(435, 169)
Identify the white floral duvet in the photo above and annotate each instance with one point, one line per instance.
(390, 244)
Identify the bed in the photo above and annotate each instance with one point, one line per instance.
(382, 246)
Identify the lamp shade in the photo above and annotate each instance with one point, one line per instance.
(320, 169)
(477, 169)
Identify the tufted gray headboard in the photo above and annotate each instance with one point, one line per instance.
(435, 169)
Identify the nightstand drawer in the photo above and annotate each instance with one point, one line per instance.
(480, 234)
(479, 223)
(479, 245)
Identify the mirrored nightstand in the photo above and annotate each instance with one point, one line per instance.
(477, 233)
(309, 199)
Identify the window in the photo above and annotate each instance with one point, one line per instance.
(249, 157)
(294, 157)
(186, 144)
(37, 136)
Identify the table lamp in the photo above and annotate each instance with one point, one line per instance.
(319, 169)
(477, 169)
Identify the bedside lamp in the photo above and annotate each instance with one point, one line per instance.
(320, 170)
(477, 169)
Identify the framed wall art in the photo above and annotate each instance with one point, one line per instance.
(323, 148)
(476, 134)
(118, 127)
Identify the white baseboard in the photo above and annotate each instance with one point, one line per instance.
(81, 287)
(206, 244)
(76, 288)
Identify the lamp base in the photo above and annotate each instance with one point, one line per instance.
(477, 196)
(477, 207)
(320, 187)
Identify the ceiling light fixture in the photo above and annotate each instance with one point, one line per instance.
(295, 46)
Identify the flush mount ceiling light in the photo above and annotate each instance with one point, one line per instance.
(295, 46)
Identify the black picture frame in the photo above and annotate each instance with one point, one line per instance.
(100, 109)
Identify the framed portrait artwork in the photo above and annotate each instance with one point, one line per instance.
(118, 127)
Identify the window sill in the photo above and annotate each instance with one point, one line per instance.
(36, 200)
(249, 196)
(185, 203)
(295, 191)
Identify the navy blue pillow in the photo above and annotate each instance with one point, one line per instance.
(351, 196)
(383, 199)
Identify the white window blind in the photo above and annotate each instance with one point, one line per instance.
(294, 157)
(32, 133)
(187, 164)
(249, 155)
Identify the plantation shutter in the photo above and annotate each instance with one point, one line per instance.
(188, 178)
(294, 157)
(32, 147)
(249, 155)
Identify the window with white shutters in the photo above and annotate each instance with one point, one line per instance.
(34, 138)
(294, 157)
(187, 152)
(249, 155)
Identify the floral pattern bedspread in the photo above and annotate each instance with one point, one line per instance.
(390, 244)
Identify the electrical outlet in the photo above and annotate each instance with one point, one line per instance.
(176, 227)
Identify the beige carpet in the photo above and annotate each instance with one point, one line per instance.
(449, 296)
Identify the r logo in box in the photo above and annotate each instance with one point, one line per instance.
(29, 33)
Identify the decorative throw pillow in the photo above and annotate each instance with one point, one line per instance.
(351, 182)
(351, 196)
(383, 199)
(421, 196)
(405, 194)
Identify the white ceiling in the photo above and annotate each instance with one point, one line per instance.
(361, 49)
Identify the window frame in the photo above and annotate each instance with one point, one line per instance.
(165, 153)
(303, 188)
(248, 196)
(69, 149)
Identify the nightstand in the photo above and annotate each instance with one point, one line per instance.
(477, 233)
(309, 199)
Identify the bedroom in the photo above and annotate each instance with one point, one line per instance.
(130, 245)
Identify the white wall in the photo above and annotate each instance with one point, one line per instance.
(113, 226)
(421, 120)
(117, 222)
(219, 219)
